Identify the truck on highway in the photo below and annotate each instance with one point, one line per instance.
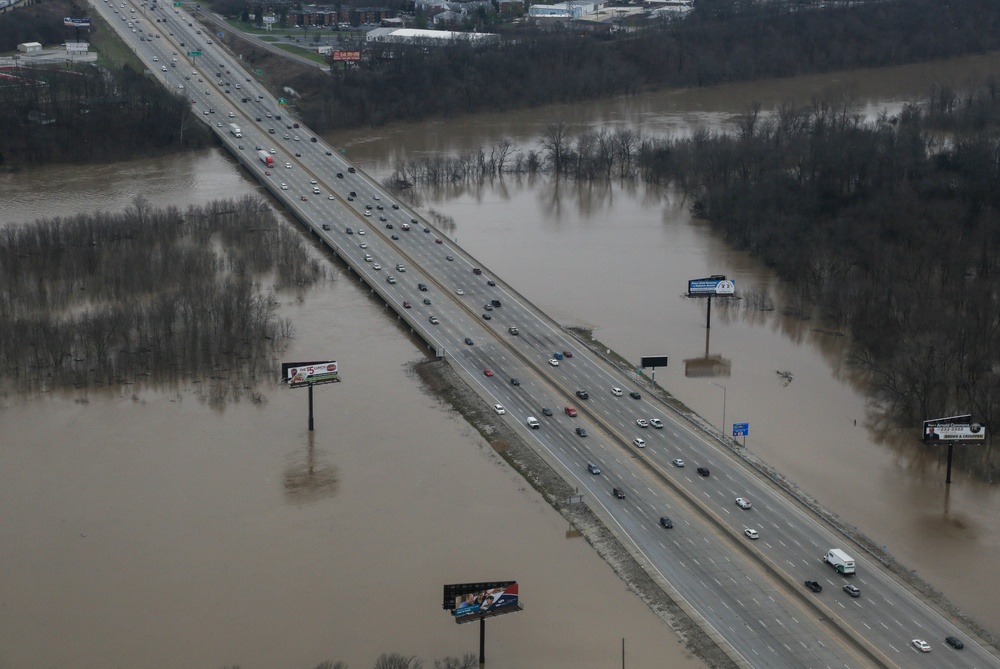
(840, 561)
(235, 129)
(266, 158)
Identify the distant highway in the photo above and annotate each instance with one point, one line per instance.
(747, 593)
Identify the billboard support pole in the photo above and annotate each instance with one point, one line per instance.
(482, 642)
(310, 407)
(708, 314)
(951, 447)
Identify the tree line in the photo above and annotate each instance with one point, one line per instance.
(721, 41)
(157, 294)
(86, 113)
(878, 227)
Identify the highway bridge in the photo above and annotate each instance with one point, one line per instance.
(747, 593)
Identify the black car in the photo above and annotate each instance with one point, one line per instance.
(666, 522)
(353, 194)
(329, 153)
(426, 301)
(395, 236)
(618, 492)
(382, 218)
(546, 411)
(468, 340)
(312, 139)
(449, 258)
(515, 381)
(379, 207)
(388, 226)
(349, 231)
(491, 282)
(954, 642)
(703, 471)
(425, 229)
(326, 226)
(298, 155)
(495, 303)
(395, 206)
(351, 170)
(422, 286)
(814, 586)
(634, 395)
(340, 175)
(582, 394)
(580, 432)
(413, 221)
(258, 118)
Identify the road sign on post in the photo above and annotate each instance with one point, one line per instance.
(282, 102)
(741, 430)
(194, 54)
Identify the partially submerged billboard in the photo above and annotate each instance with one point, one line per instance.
(298, 374)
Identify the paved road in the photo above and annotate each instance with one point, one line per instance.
(747, 593)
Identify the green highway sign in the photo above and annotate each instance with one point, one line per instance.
(194, 53)
(260, 71)
(282, 102)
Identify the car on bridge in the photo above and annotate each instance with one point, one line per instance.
(487, 372)
(921, 645)
(852, 590)
(642, 422)
(618, 493)
(954, 642)
(638, 441)
(499, 409)
(666, 522)
(580, 432)
(546, 411)
(814, 586)
(678, 462)
(514, 381)
(582, 394)
(617, 392)
(703, 471)
(593, 469)
(407, 305)
(570, 411)
(751, 533)
(468, 340)
(742, 503)
(433, 320)
(634, 395)
(656, 422)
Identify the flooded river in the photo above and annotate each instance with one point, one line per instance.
(147, 528)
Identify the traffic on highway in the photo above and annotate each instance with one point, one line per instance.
(731, 547)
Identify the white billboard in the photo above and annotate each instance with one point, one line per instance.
(955, 428)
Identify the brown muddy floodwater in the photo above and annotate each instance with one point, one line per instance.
(616, 258)
(143, 527)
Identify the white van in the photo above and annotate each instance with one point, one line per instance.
(533, 423)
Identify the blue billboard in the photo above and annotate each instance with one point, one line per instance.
(713, 285)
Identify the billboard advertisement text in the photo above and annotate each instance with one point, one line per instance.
(347, 55)
(485, 602)
(76, 23)
(713, 285)
(954, 431)
(310, 373)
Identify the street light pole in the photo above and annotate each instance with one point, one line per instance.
(719, 385)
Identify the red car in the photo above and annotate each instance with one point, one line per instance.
(438, 241)
(303, 198)
(406, 305)
(567, 354)
(488, 372)
(570, 411)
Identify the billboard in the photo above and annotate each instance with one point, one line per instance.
(711, 286)
(299, 374)
(955, 428)
(654, 361)
(473, 601)
(76, 23)
(347, 55)
(77, 47)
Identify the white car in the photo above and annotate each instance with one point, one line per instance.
(642, 422)
(553, 362)
(376, 266)
(368, 258)
(656, 422)
(376, 197)
(312, 181)
(272, 151)
(288, 166)
(460, 292)
(617, 392)
(362, 245)
(284, 186)
(330, 197)
(641, 443)
(751, 533)
(499, 409)
(921, 645)
(156, 59)
(678, 462)
(742, 503)
(361, 232)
